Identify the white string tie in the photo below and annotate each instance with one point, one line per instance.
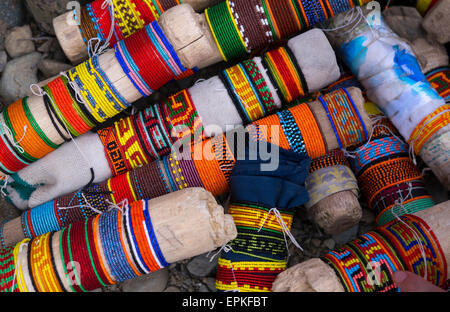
(400, 203)
(15, 267)
(3, 188)
(227, 248)
(40, 92)
(10, 136)
(98, 48)
(119, 206)
(284, 228)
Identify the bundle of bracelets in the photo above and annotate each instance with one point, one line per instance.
(420, 115)
(128, 16)
(180, 170)
(150, 134)
(389, 181)
(117, 245)
(241, 26)
(406, 244)
(83, 99)
(79, 243)
(86, 97)
(263, 206)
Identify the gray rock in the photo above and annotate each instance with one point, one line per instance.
(111, 288)
(435, 188)
(44, 11)
(18, 41)
(154, 282)
(211, 283)
(201, 266)
(12, 12)
(368, 216)
(172, 289)
(18, 75)
(3, 60)
(47, 46)
(316, 242)
(7, 211)
(347, 236)
(329, 243)
(203, 288)
(50, 68)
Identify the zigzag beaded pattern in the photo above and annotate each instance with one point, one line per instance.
(387, 249)
(183, 118)
(440, 80)
(260, 84)
(7, 270)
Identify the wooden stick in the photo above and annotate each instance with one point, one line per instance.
(190, 36)
(315, 275)
(69, 36)
(337, 213)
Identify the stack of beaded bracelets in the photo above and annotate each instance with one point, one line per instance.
(148, 135)
(258, 254)
(390, 182)
(368, 263)
(129, 16)
(297, 129)
(99, 251)
(149, 59)
(240, 26)
(70, 106)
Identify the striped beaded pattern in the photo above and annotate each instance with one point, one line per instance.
(389, 181)
(429, 126)
(331, 159)
(258, 253)
(129, 17)
(225, 31)
(86, 255)
(148, 59)
(286, 74)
